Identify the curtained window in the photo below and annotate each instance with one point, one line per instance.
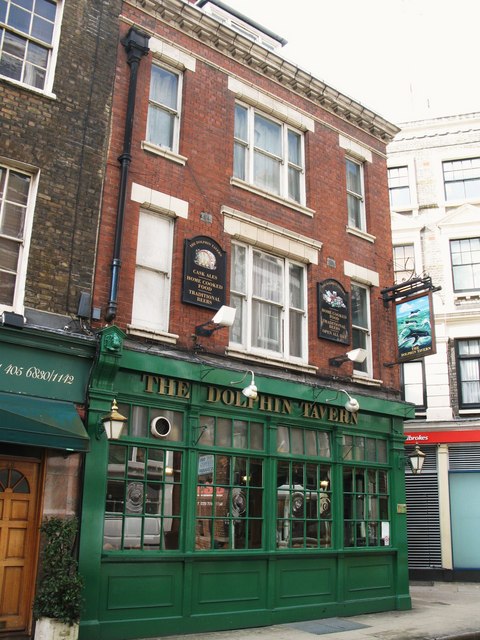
(268, 154)
(269, 295)
(355, 195)
(468, 371)
(164, 108)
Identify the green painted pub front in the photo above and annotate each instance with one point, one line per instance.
(215, 511)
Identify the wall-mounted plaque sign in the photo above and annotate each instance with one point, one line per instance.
(333, 312)
(204, 273)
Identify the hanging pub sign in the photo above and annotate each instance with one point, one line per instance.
(333, 311)
(415, 326)
(204, 273)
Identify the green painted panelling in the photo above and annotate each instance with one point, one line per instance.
(58, 374)
(304, 582)
(129, 629)
(140, 592)
(228, 586)
(369, 579)
(134, 365)
(143, 599)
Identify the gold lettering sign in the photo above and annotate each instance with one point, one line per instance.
(161, 385)
(166, 386)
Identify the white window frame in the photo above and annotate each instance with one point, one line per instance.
(24, 243)
(283, 159)
(471, 264)
(399, 183)
(176, 61)
(358, 197)
(174, 112)
(418, 387)
(52, 55)
(363, 369)
(154, 323)
(396, 161)
(404, 270)
(244, 316)
(463, 180)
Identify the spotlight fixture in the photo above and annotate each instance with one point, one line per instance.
(356, 355)
(224, 317)
(352, 405)
(251, 390)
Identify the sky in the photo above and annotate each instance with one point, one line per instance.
(403, 59)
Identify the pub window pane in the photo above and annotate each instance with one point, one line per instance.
(229, 510)
(143, 499)
(303, 497)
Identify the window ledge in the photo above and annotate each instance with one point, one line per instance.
(27, 87)
(276, 362)
(164, 153)
(467, 298)
(458, 203)
(151, 334)
(360, 234)
(404, 211)
(236, 182)
(469, 412)
(366, 380)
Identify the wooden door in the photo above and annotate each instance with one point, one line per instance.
(18, 541)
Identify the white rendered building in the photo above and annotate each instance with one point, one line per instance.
(434, 183)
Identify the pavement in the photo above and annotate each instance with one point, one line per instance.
(440, 611)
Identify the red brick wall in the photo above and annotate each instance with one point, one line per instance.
(207, 141)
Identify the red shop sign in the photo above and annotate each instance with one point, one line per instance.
(438, 437)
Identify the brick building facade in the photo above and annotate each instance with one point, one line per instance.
(56, 77)
(244, 245)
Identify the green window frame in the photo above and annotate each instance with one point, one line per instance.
(229, 488)
(217, 431)
(304, 489)
(143, 504)
(229, 510)
(366, 498)
(144, 493)
(304, 514)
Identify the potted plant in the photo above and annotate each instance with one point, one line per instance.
(58, 599)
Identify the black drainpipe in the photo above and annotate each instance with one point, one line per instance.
(136, 45)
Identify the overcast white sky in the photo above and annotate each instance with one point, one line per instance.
(404, 59)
